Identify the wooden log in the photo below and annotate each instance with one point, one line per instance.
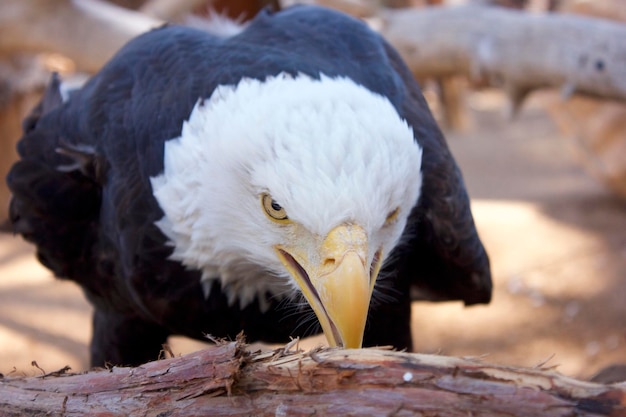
(87, 31)
(596, 129)
(228, 380)
(514, 50)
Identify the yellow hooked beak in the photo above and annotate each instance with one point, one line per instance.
(336, 281)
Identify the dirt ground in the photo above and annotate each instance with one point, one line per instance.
(556, 238)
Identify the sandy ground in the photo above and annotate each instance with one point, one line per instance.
(556, 238)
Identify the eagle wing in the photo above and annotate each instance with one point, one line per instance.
(441, 254)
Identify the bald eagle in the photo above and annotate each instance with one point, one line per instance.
(201, 184)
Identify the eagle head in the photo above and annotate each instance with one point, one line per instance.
(290, 185)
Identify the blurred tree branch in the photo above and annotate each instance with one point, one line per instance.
(87, 31)
(513, 50)
(169, 10)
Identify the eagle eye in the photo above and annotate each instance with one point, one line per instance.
(392, 215)
(273, 210)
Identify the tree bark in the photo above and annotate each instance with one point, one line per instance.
(87, 31)
(228, 380)
(515, 50)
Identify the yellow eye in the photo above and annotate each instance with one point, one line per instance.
(392, 215)
(273, 210)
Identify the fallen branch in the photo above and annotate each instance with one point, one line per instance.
(515, 50)
(227, 380)
(168, 10)
(87, 31)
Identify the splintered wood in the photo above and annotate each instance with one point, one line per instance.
(227, 380)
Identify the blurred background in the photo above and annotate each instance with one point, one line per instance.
(545, 168)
